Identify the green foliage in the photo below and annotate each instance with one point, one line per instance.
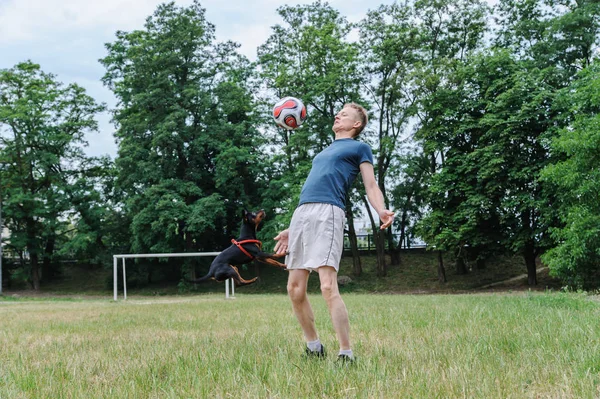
(389, 39)
(309, 57)
(464, 118)
(577, 180)
(491, 121)
(450, 104)
(409, 194)
(43, 171)
(550, 33)
(190, 156)
(92, 213)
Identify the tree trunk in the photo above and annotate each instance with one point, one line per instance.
(35, 271)
(402, 237)
(441, 269)
(461, 267)
(32, 247)
(356, 261)
(403, 223)
(393, 249)
(48, 269)
(529, 255)
(379, 238)
(380, 246)
(377, 232)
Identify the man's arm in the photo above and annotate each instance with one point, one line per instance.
(375, 195)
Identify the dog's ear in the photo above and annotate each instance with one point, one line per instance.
(244, 215)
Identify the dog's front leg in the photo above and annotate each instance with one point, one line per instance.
(271, 262)
(262, 254)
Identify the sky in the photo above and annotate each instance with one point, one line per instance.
(67, 37)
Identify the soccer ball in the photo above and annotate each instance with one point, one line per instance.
(289, 113)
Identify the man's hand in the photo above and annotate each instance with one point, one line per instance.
(282, 242)
(386, 217)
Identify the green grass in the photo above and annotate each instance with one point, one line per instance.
(521, 345)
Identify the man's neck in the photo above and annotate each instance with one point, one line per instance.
(343, 135)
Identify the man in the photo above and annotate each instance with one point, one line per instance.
(315, 238)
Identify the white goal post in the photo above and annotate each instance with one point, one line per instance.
(177, 255)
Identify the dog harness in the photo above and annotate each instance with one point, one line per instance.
(240, 243)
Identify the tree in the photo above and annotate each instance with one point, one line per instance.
(43, 130)
(389, 40)
(574, 259)
(549, 33)
(450, 32)
(308, 57)
(550, 41)
(189, 157)
(92, 213)
(409, 196)
(492, 128)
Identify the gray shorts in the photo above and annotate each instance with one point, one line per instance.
(316, 237)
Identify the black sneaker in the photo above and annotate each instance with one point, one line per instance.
(345, 359)
(318, 354)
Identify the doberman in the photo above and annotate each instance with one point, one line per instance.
(243, 250)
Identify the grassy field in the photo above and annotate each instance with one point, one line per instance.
(519, 345)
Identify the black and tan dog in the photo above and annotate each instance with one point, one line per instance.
(243, 250)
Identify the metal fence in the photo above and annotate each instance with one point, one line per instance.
(366, 242)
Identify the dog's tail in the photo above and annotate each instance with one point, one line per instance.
(198, 280)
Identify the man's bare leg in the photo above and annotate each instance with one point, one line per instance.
(297, 283)
(337, 308)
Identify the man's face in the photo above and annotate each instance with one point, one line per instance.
(346, 120)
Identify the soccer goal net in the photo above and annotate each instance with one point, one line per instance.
(123, 257)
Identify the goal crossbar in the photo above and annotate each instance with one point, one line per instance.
(166, 255)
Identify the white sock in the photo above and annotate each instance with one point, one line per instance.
(314, 346)
(347, 352)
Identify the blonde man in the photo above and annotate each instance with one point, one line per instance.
(315, 238)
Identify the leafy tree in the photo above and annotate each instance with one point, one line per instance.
(409, 196)
(575, 257)
(449, 33)
(549, 48)
(43, 130)
(492, 128)
(189, 155)
(93, 213)
(308, 57)
(550, 33)
(389, 39)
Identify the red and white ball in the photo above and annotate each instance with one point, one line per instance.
(289, 113)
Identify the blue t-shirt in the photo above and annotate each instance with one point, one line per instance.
(333, 172)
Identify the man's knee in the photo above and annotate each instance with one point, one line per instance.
(329, 290)
(328, 277)
(296, 291)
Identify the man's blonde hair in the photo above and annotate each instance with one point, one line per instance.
(362, 116)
